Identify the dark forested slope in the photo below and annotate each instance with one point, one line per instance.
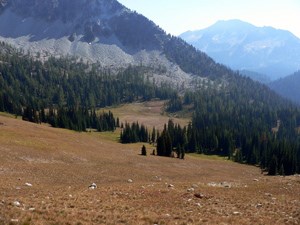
(288, 87)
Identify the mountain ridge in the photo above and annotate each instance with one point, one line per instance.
(288, 87)
(97, 35)
(113, 36)
(243, 46)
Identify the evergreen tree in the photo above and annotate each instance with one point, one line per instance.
(144, 151)
(273, 166)
(153, 135)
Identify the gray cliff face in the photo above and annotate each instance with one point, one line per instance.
(81, 22)
(69, 17)
(65, 10)
(101, 31)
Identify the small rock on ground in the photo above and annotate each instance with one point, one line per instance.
(16, 203)
(199, 195)
(190, 190)
(93, 186)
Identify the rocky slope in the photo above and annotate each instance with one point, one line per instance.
(243, 46)
(97, 31)
(107, 32)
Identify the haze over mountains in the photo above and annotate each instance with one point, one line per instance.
(242, 46)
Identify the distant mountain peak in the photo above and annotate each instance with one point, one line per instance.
(243, 46)
(232, 23)
(103, 32)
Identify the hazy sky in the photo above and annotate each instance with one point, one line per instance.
(177, 16)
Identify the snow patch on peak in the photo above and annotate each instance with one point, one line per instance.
(263, 45)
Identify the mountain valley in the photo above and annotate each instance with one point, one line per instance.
(45, 174)
(107, 119)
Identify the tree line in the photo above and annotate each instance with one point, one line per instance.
(78, 119)
(232, 117)
(134, 133)
(70, 82)
(244, 122)
(69, 89)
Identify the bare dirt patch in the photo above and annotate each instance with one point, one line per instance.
(62, 164)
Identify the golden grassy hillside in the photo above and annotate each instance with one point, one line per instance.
(45, 174)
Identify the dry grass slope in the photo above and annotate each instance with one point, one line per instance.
(147, 113)
(61, 164)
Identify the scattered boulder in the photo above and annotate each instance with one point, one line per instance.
(259, 205)
(170, 186)
(194, 186)
(14, 220)
(198, 204)
(212, 184)
(199, 195)
(190, 190)
(222, 184)
(93, 186)
(236, 213)
(130, 181)
(28, 184)
(226, 185)
(256, 180)
(17, 203)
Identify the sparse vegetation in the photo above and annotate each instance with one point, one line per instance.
(61, 164)
(59, 176)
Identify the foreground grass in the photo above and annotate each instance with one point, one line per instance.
(209, 157)
(161, 190)
(113, 136)
(7, 115)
